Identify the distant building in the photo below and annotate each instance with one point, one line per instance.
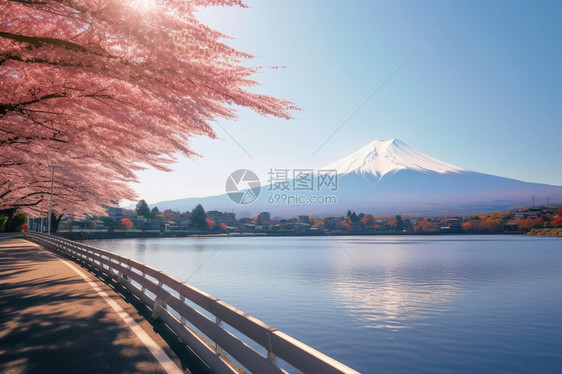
(175, 221)
(304, 219)
(217, 217)
(332, 223)
(511, 226)
(243, 221)
(116, 214)
(451, 224)
(265, 216)
(357, 226)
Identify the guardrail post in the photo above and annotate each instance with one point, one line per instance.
(157, 304)
(127, 278)
(183, 320)
(270, 355)
(162, 304)
(218, 348)
(143, 288)
(123, 277)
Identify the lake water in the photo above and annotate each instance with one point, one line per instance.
(387, 304)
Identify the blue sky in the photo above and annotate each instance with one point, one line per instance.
(482, 88)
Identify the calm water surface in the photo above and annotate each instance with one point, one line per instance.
(384, 304)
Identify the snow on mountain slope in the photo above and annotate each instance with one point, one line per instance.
(389, 177)
(382, 157)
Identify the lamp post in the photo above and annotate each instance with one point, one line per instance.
(51, 203)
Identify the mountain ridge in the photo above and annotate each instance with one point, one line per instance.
(385, 177)
(381, 157)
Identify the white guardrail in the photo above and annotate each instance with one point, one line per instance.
(170, 301)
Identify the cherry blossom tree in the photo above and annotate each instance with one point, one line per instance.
(105, 87)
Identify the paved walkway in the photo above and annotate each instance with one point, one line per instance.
(55, 317)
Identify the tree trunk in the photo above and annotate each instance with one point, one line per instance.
(10, 214)
(55, 222)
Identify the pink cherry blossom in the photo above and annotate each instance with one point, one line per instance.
(102, 89)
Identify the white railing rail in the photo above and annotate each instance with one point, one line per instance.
(172, 295)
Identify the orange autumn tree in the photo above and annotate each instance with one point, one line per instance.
(491, 222)
(471, 225)
(426, 225)
(127, 223)
(315, 222)
(529, 223)
(368, 220)
(103, 88)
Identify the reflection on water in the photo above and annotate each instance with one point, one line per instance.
(140, 247)
(393, 282)
(380, 304)
(389, 304)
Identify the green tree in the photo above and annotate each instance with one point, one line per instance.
(11, 220)
(399, 223)
(198, 218)
(18, 221)
(154, 212)
(304, 219)
(3, 220)
(9, 214)
(143, 209)
(108, 223)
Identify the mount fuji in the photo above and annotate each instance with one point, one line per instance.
(386, 177)
(383, 157)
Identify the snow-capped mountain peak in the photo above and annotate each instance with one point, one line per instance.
(389, 156)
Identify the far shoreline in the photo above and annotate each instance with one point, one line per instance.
(99, 235)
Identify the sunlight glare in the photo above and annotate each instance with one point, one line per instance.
(143, 5)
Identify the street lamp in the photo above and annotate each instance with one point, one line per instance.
(51, 203)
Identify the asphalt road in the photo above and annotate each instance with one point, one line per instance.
(56, 317)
